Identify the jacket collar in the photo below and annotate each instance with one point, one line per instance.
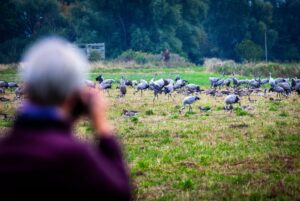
(34, 117)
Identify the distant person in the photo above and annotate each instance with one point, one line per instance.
(166, 55)
(40, 157)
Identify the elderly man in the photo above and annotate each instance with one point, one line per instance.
(40, 156)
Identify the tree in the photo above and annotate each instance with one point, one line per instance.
(248, 50)
(194, 29)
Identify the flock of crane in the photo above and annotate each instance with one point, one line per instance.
(232, 88)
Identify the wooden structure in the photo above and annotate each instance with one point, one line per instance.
(87, 48)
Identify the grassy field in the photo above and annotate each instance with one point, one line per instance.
(249, 154)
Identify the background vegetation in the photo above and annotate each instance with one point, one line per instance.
(194, 29)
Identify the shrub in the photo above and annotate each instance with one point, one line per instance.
(94, 56)
(284, 114)
(174, 116)
(272, 108)
(250, 69)
(280, 123)
(149, 112)
(240, 112)
(249, 51)
(186, 184)
(134, 119)
(142, 164)
(154, 59)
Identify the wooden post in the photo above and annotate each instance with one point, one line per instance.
(266, 46)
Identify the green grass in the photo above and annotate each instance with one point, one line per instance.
(194, 75)
(216, 155)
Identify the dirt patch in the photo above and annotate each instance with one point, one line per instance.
(191, 164)
(243, 125)
(288, 161)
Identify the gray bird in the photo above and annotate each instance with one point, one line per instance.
(254, 83)
(244, 82)
(3, 84)
(126, 82)
(188, 101)
(286, 86)
(105, 86)
(3, 99)
(143, 85)
(238, 83)
(20, 91)
(101, 80)
(123, 89)
(169, 89)
(90, 83)
(227, 82)
(160, 83)
(271, 80)
(230, 100)
(213, 80)
(235, 82)
(218, 83)
(157, 89)
(297, 88)
(193, 88)
(129, 113)
(170, 81)
(280, 80)
(12, 85)
(179, 84)
(264, 81)
(278, 89)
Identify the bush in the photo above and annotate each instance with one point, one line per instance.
(240, 112)
(284, 114)
(153, 59)
(252, 69)
(220, 66)
(134, 120)
(248, 50)
(149, 112)
(186, 184)
(94, 56)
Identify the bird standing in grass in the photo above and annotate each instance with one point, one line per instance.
(123, 89)
(90, 83)
(143, 85)
(193, 88)
(213, 80)
(231, 99)
(278, 89)
(297, 88)
(169, 89)
(12, 85)
(188, 101)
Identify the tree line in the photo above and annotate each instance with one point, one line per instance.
(229, 29)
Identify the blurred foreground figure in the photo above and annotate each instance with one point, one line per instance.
(40, 158)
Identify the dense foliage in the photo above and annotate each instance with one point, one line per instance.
(232, 29)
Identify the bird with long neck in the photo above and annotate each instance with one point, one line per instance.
(271, 80)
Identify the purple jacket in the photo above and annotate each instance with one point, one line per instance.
(41, 156)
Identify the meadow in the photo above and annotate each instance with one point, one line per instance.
(249, 154)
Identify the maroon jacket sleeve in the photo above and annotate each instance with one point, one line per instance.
(102, 172)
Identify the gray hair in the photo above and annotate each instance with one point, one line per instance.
(52, 69)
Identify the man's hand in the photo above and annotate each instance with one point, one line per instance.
(95, 100)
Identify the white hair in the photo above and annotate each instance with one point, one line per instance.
(52, 69)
